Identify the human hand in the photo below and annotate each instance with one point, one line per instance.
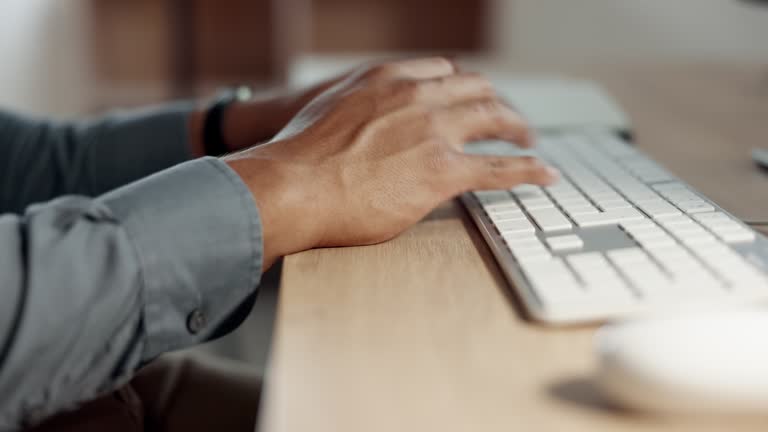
(251, 122)
(376, 152)
(261, 118)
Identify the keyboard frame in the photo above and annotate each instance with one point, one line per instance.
(536, 309)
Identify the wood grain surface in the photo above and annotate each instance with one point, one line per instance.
(422, 333)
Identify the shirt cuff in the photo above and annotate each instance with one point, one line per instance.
(198, 238)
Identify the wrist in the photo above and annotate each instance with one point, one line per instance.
(195, 133)
(290, 223)
(252, 122)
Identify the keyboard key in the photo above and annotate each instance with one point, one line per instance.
(553, 281)
(658, 208)
(601, 281)
(565, 242)
(530, 256)
(550, 219)
(669, 187)
(574, 201)
(614, 204)
(658, 242)
(621, 257)
(686, 230)
(501, 207)
(670, 221)
(536, 203)
(506, 216)
(691, 271)
(647, 279)
(515, 239)
(694, 206)
(697, 240)
(740, 236)
(576, 211)
(493, 197)
(528, 191)
(711, 217)
(638, 225)
(527, 249)
(512, 238)
(555, 269)
(645, 231)
(734, 270)
(690, 286)
(605, 196)
(515, 226)
(682, 228)
(563, 190)
(586, 259)
(727, 229)
(722, 225)
(611, 217)
(667, 257)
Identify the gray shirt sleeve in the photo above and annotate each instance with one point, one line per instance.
(92, 288)
(42, 159)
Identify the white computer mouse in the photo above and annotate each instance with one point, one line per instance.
(712, 363)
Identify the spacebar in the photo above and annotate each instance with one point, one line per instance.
(609, 217)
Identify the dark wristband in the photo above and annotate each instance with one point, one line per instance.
(213, 131)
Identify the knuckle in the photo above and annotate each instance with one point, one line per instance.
(409, 90)
(497, 170)
(487, 105)
(528, 164)
(438, 159)
(496, 165)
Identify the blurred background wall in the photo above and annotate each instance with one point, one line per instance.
(627, 30)
(44, 55)
(76, 56)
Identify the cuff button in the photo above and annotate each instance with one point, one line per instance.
(196, 321)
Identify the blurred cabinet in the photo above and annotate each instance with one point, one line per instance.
(145, 49)
(173, 47)
(399, 25)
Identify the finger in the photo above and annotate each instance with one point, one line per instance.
(456, 66)
(531, 133)
(482, 119)
(504, 172)
(416, 69)
(454, 89)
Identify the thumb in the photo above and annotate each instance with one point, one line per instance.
(504, 172)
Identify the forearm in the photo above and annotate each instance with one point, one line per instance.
(42, 159)
(94, 288)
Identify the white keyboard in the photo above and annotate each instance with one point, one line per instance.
(617, 236)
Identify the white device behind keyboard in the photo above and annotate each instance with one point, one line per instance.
(617, 236)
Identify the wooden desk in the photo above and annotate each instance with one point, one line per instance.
(421, 333)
